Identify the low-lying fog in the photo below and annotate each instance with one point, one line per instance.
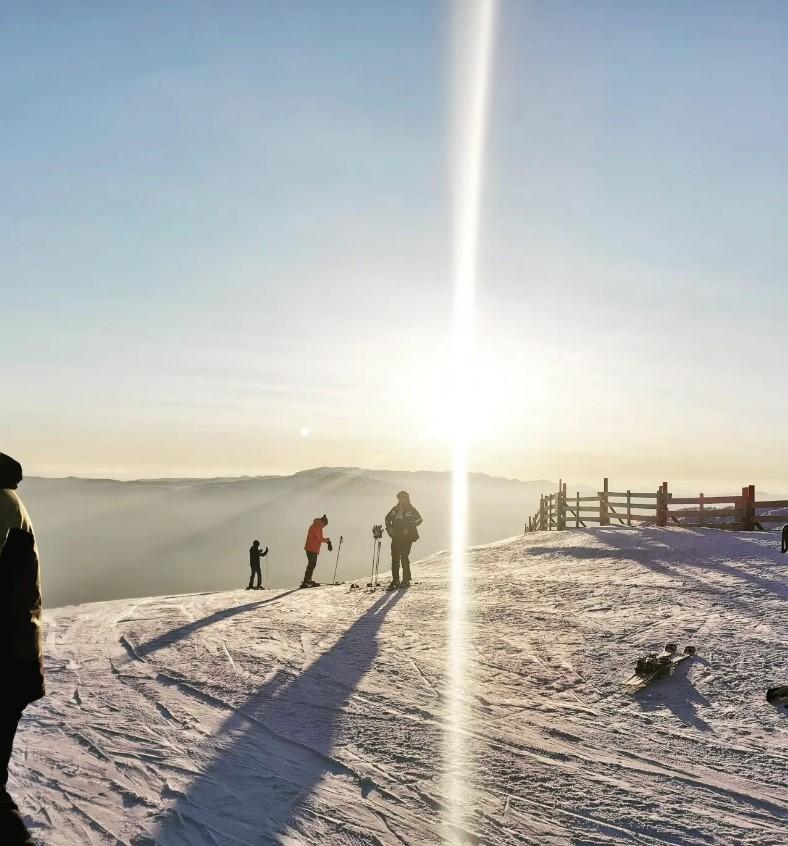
(103, 539)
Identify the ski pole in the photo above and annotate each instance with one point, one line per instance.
(267, 561)
(372, 574)
(339, 549)
(377, 563)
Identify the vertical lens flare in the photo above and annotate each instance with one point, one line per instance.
(472, 57)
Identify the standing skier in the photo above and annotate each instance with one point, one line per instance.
(314, 541)
(20, 635)
(401, 524)
(255, 554)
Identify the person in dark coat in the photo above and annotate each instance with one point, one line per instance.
(21, 665)
(402, 526)
(255, 554)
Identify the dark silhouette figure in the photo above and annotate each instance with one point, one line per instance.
(785, 538)
(402, 525)
(255, 554)
(20, 634)
(314, 541)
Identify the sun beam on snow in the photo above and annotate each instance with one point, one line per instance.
(472, 57)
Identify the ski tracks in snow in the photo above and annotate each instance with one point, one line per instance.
(319, 716)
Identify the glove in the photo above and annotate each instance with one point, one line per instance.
(330, 547)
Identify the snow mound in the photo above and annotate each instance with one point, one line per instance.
(317, 717)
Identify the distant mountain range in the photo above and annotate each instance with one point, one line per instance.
(105, 539)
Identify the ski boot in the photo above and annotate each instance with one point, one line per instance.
(393, 585)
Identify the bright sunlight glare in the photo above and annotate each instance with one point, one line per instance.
(473, 47)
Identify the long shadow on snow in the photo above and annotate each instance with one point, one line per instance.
(275, 747)
(170, 637)
(627, 545)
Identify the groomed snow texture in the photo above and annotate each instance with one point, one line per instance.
(317, 717)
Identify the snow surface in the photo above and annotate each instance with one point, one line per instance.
(317, 717)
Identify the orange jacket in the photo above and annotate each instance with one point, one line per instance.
(314, 537)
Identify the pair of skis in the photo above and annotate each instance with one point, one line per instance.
(657, 665)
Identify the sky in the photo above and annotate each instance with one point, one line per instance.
(226, 243)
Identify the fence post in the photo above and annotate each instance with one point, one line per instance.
(542, 514)
(561, 505)
(662, 505)
(702, 515)
(577, 510)
(748, 508)
(604, 516)
(629, 507)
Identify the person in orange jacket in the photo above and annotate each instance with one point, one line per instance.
(314, 541)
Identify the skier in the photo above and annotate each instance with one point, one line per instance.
(314, 541)
(401, 524)
(254, 563)
(20, 635)
(785, 538)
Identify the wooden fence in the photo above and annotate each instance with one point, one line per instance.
(739, 511)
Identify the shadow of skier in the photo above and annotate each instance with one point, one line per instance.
(273, 749)
(172, 636)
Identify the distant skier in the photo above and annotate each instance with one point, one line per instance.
(785, 538)
(255, 554)
(20, 635)
(314, 542)
(401, 524)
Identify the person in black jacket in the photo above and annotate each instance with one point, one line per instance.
(401, 524)
(255, 554)
(21, 666)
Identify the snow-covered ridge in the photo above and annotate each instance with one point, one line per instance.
(317, 717)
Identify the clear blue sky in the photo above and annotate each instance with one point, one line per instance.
(225, 243)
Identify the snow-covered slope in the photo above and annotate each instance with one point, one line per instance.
(317, 717)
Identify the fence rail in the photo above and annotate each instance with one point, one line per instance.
(559, 511)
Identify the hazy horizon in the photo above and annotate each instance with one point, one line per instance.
(682, 487)
(108, 539)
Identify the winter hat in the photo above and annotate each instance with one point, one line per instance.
(10, 472)
(403, 495)
(324, 518)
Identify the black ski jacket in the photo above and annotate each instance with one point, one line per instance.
(21, 665)
(255, 554)
(402, 526)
